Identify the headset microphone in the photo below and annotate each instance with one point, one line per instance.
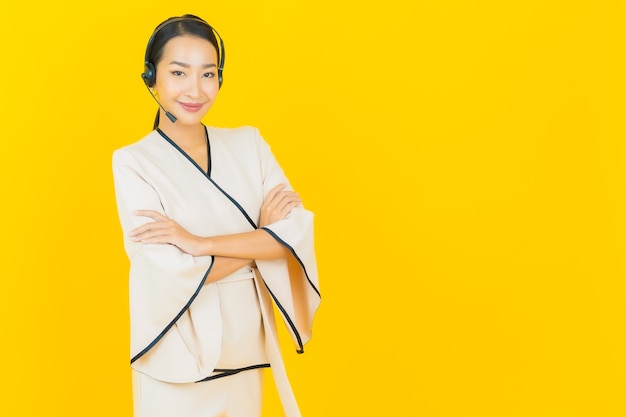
(168, 114)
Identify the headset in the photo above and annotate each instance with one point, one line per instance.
(149, 72)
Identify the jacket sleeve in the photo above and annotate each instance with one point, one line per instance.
(163, 281)
(292, 282)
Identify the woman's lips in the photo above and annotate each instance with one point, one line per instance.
(192, 107)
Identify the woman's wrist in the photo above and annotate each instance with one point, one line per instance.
(203, 246)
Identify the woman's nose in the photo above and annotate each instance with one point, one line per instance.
(193, 90)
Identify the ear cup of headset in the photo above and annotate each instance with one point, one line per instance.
(149, 74)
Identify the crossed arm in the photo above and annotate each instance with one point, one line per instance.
(231, 252)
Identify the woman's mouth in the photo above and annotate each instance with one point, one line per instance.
(191, 107)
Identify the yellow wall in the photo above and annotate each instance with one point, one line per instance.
(465, 161)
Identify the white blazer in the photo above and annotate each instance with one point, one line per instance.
(175, 328)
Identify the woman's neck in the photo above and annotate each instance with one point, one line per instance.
(185, 136)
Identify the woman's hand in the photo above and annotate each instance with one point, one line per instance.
(278, 204)
(165, 230)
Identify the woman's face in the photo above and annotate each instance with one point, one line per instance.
(186, 78)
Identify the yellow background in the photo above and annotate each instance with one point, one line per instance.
(465, 161)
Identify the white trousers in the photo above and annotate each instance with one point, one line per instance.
(236, 395)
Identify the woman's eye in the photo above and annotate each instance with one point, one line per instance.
(177, 73)
(209, 75)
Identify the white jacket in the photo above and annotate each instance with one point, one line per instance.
(175, 328)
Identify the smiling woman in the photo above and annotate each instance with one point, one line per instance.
(216, 237)
(186, 79)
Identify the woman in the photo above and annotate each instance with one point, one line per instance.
(215, 235)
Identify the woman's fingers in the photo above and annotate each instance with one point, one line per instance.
(151, 236)
(283, 205)
(283, 197)
(164, 230)
(287, 206)
(287, 197)
(271, 195)
(160, 222)
(147, 227)
(155, 215)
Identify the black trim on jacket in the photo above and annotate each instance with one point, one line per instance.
(180, 313)
(229, 372)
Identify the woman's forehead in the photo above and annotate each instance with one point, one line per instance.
(190, 47)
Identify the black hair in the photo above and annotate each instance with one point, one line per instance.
(173, 27)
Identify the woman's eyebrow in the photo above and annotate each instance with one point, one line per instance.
(185, 65)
